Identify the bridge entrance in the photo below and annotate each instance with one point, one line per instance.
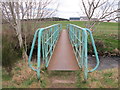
(63, 50)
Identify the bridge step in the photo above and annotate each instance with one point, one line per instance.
(63, 57)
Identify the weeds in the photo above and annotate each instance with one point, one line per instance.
(23, 77)
(10, 52)
(43, 83)
(80, 81)
(99, 79)
(29, 81)
(109, 74)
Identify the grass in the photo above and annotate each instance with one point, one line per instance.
(24, 77)
(102, 28)
(99, 79)
(5, 75)
(105, 31)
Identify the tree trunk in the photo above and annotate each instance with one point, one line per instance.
(24, 53)
(19, 36)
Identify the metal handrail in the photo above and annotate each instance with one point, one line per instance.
(42, 34)
(47, 38)
(82, 39)
(95, 51)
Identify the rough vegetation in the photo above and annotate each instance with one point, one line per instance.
(99, 79)
(23, 77)
(17, 74)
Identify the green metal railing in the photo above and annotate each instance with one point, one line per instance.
(78, 37)
(47, 38)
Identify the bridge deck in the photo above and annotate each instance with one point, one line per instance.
(63, 57)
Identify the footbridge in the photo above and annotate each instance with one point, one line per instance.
(63, 50)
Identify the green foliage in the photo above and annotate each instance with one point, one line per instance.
(43, 83)
(17, 68)
(11, 87)
(99, 79)
(108, 80)
(80, 83)
(29, 81)
(6, 77)
(10, 52)
(109, 74)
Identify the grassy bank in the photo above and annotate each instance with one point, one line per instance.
(99, 79)
(23, 77)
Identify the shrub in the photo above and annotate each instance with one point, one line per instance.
(10, 51)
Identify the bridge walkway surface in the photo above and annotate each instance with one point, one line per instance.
(63, 57)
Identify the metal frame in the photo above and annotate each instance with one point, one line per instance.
(47, 38)
(78, 37)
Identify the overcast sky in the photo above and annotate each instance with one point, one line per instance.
(68, 8)
(71, 8)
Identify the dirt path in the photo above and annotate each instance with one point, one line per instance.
(62, 79)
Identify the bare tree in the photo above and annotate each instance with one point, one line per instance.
(103, 10)
(16, 12)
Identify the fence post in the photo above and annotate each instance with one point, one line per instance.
(85, 55)
(38, 53)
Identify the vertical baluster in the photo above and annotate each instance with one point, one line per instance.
(47, 45)
(79, 37)
(72, 34)
(43, 59)
(38, 53)
(51, 40)
(85, 56)
(82, 56)
(54, 36)
(77, 42)
(69, 32)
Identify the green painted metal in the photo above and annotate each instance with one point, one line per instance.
(78, 37)
(47, 38)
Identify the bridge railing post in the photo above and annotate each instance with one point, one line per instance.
(31, 51)
(85, 55)
(46, 41)
(38, 53)
(79, 37)
(95, 51)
